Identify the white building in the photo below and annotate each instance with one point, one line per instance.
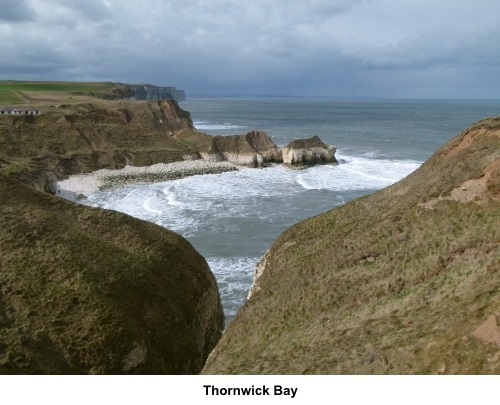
(19, 111)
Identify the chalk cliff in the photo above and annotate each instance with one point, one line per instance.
(403, 281)
(151, 92)
(256, 149)
(308, 152)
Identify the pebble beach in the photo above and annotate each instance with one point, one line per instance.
(80, 185)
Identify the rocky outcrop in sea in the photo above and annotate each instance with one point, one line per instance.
(310, 151)
(256, 149)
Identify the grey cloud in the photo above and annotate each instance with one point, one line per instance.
(92, 9)
(320, 47)
(15, 11)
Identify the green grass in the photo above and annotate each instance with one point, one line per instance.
(9, 97)
(66, 87)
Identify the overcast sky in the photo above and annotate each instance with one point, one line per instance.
(338, 48)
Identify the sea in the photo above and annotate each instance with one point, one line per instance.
(233, 218)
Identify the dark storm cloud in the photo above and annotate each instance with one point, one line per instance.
(309, 47)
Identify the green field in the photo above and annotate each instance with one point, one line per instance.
(66, 87)
(26, 92)
(9, 97)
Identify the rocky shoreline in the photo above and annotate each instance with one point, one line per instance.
(81, 185)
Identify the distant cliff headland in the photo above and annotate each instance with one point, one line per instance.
(20, 92)
(124, 91)
(152, 92)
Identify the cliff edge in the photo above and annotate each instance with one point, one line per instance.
(403, 281)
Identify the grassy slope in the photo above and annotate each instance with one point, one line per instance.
(395, 282)
(88, 291)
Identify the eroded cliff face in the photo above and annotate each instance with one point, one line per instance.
(151, 92)
(84, 290)
(403, 281)
(80, 138)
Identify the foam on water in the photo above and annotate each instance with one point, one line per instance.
(170, 196)
(204, 125)
(232, 275)
(356, 173)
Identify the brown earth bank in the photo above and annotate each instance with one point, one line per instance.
(84, 290)
(403, 281)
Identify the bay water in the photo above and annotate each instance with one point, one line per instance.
(232, 218)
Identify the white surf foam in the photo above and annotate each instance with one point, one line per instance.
(356, 173)
(170, 197)
(214, 127)
(234, 276)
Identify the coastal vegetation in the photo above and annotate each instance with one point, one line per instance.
(66, 87)
(82, 137)
(8, 96)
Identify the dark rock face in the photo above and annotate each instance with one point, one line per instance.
(84, 290)
(151, 92)
(403, 281)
